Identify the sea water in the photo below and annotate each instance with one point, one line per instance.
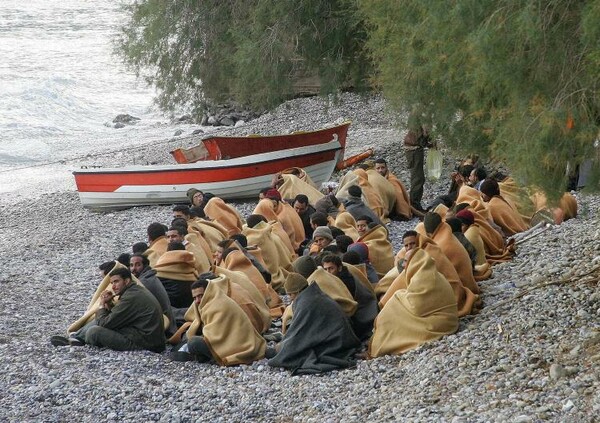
(60, 87)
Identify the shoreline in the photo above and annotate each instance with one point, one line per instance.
(497, 367)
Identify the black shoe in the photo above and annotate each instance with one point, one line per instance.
(59, 341)
(75, 342)
(181, 356)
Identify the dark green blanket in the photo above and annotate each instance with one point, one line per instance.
(320, 337)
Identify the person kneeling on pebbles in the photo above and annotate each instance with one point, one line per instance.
(221, 331)
(134, 322)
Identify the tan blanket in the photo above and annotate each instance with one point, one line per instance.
(381, 253)
(424, 311)
(216, 209)
(385, 190)
(201, 260)
(292, 186)
(335, 289)
(157, 248)
(346, 222)
(466, 300)
(90, 312)
(212, 232)
(369, 195)
(276, 256)
(506, 216)
(237, 261)
(198, 240)
(178, 265)
(242, 280)
(495, 250)
(287, 216)
(402, 205)
(482, 270)
(456, 253)
(226, 329)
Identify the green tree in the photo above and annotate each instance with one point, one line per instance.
(513, 80)
(252, 52)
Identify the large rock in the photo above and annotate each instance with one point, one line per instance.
(125, 118)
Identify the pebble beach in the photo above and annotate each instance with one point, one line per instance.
(532, 354)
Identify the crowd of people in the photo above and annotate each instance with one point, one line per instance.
(209, 285)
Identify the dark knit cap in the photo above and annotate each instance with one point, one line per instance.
(191, 192)
(355, 191)
(490, 188)
(294, 283)
(466, 217)
(304, 265)
(431, 222)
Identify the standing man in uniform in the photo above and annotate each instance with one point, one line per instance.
(415, 142)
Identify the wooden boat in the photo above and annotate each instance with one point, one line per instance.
(228, 167)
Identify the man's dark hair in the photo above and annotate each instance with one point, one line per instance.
(179, 221)
(182, 208)
(342, 241)
(332, 258)
(355, 191)
(241, 239)
(200, 283)
(197, 211)
(139, 247)
(175, 246)
(455, 224)
(351, 257)
(208, 276)
(122, 272)
(335, 232)
(145, 261)
(255, 219)
(106, 267)
(380, 161)
(365, 218)
(465, 170)
(263, 191)
(124, 259)
(181, 230)
(409, 233)
(156, 230)
(224, 243)
(480, 173)
(319, 219)
(302, 199)
(331, 249)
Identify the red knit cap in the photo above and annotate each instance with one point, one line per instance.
(273, 194)
(466, 217)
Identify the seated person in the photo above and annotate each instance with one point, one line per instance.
(367, 309)
(362, 250)
(424, 311)
(134, 322)
(356, 207)
(482, 269)
(140, 268)
(362, 225)
(456, 226)
(502, 212)
(402, 208)
(322, 237)
(176, 270)
(221, 331)
(319, 338)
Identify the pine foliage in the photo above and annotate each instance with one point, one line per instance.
(517, 81)
(250, 52)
